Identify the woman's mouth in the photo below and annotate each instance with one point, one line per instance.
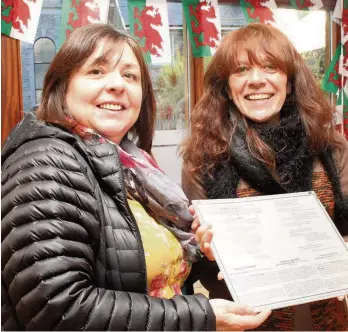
(111, 107)
(259, 96)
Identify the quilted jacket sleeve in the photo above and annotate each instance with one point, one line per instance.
(50, 234)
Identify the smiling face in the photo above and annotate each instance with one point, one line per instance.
(258, 90)
(105, 94)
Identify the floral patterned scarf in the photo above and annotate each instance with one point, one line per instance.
(162, 198)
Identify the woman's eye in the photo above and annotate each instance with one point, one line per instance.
(242, 69)
(130, 76)
(95, 71)
(270, 67)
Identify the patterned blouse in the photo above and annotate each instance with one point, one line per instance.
(166, 267)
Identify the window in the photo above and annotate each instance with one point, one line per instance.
(169, 86)
(44, 52)
(170, 80)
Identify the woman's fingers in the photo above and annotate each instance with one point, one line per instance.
(195, 224)
(192, 210)
(239, 309)
(249, 321)
(201, 230)
(220, 276)
(207, 237)
(208, 252)
(231, 316)
(203, 235)
(340, 298)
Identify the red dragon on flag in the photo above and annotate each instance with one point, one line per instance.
(345, 38)
(304, 4)
(202, 13)
(153, 39)
(82, 12)
(335, 77)
(19, 14)
(259, 12)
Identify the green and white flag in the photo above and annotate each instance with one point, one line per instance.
(341, 114)
(203, 23)
(19, 19)
(148, 21)
(336, 77)
(345, 111)
(306, 4)
(78, 13)
(258, 11)
(332, 81)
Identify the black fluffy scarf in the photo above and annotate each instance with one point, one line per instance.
(294, 164)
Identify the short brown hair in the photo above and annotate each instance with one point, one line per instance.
(71, 56)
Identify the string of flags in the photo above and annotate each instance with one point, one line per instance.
(336, 76)
(148, 20)
(148, 23)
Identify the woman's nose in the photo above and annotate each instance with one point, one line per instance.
(115, 82)
(256, 76)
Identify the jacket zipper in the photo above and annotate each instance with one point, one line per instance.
(140, 243)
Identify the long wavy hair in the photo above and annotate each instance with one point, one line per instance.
(71, 56)
(211, 127)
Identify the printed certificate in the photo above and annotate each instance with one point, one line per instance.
(276, 251)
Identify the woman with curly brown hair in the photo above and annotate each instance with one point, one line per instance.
(267, 129)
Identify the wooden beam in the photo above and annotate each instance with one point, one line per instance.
(11, 85)
(198, 65)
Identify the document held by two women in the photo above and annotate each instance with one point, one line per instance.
(276, 251)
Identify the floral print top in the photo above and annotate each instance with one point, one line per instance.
(166, 267)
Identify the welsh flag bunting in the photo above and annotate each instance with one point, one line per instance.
(306, 4)
(19, 19)
(345, 112)
(332, 78)
(148, 21)
(336, 77)
(203, 23)
(342, 110)
(77, 13)
(258, 11)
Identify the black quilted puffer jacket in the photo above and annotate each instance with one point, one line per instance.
(72, 257)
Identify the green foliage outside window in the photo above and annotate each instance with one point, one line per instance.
(170, 97)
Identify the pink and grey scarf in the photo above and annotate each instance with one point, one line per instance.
(162, 198)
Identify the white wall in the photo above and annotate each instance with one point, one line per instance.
(165, 150)
(169, 161)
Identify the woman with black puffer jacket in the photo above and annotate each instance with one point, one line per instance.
(94, 235)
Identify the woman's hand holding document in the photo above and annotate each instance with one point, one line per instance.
(229, 315)
(274, 251)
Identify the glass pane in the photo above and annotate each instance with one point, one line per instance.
(38, 94)
(306, 30)
(169, 80)
(44, 50)
(169, 84)
(40, 71)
